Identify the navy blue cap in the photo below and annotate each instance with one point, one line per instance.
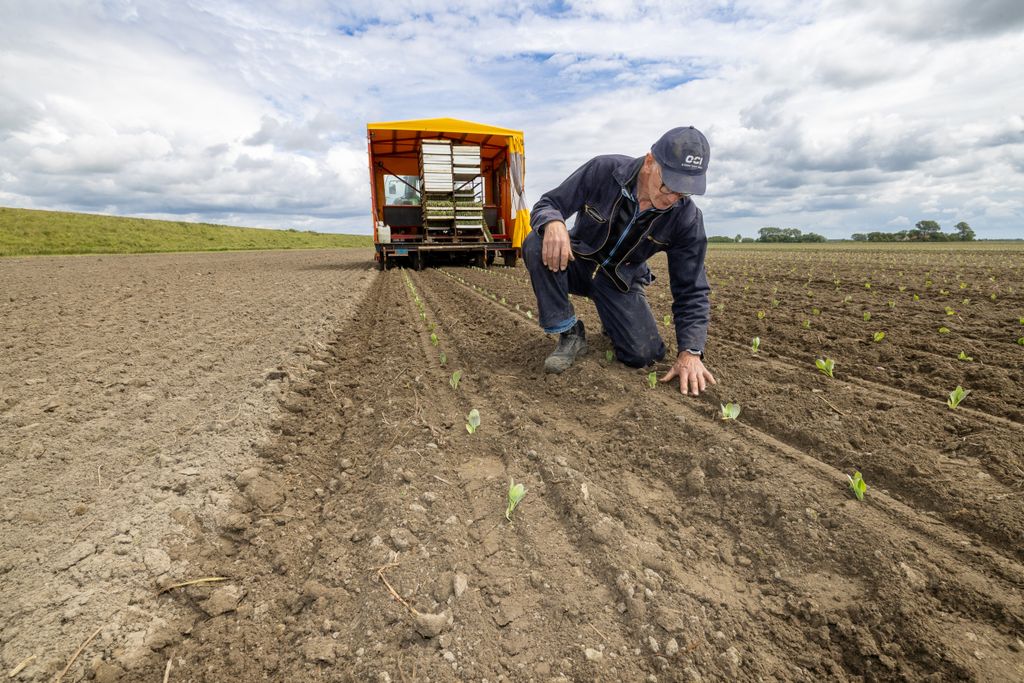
(683, 154)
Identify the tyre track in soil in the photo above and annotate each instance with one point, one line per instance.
(311, 582)
(918, 472)
(924, 634)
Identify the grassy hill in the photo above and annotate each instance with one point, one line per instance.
(25, 232)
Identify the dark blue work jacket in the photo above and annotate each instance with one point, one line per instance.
(593, 192)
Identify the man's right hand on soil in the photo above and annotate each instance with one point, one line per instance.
(556, 251)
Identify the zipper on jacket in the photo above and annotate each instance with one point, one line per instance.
(592, 212)
(618, 278)
(608, 228)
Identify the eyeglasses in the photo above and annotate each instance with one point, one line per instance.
(664, 190)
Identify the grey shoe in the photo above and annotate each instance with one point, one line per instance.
(571, 344)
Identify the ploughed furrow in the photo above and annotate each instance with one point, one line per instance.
(868, 585)
(541, 589)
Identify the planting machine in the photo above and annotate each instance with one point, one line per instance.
(444, 190)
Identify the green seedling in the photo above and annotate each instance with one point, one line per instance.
(857, 485)
(529, 315)
(473, 421)
(806, 324)
(964, 356)
(902, 288)
(502, 301)
(950, 311)
(775, 303)
(878, 336)
(892, 303)
(867, 285)
(992, 296)
(609, 355)
(956, 396)
(815, 311)
(755, 344)
(826, 366)
(760, 315)
(1020, 340)
(917, 298)
(652, 379)
(433, 338)
(453, 382)
(848, 298)
(964, 302)
(867, 316)
(943, 330)
(730, 411)
(1021, 321)
(515, 494)
(667, 320)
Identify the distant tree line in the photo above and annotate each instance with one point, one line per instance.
(721, 239)
(770, 234)
(923, 231)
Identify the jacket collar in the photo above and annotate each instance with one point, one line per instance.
(626, 172)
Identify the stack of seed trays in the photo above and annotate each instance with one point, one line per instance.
(465, 161)
(436, 166)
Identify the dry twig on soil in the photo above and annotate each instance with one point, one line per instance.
(167, 671)
(193, 582)
(75, 656)
(830, 405)
(21, 665)
(394, 593)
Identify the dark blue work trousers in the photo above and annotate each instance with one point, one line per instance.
(626, 316)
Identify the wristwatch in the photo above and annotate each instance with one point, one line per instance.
(696, 352)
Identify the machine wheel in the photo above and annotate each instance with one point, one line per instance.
(379, 262)
(417, 260)
(510, 257)
(490, 257)
(480, 261)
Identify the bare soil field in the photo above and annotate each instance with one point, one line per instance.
(288, 424)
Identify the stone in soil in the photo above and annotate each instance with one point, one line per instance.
(432, 625)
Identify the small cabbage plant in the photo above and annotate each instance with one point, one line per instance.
(956, 396)
(730, 411)
(857, 485)
(515, 494)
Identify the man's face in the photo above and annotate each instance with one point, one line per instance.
(661, 197)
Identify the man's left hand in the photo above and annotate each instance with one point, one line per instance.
(693, 376)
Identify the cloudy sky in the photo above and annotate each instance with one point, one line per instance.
(831, 116)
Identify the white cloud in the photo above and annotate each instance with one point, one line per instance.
(834, 114)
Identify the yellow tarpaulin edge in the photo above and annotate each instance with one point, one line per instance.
(521, 228)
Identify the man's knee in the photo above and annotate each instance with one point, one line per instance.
(642, 355)
(532, 245)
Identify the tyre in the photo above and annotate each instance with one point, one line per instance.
(510, 257)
